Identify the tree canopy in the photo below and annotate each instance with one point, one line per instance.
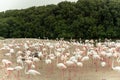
(81, 19)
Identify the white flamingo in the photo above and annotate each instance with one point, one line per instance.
(70, 64)
(9, 71)
(31, 72)
(96, 57)
(35, 60)
(62, 67)
(116, 68)
(103, 64)
(6, 63)
(18, 68)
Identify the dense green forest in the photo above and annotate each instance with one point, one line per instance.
(81, 19)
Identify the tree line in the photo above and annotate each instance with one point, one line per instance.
(82, 19)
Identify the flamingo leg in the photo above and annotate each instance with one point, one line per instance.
(52, 68)
(62, 74)
(18, 75)
(75, 71)
(28, 76)
(109, 63)
(96, 67)
(69, 74)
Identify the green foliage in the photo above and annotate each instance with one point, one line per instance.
(2, 38)
(83, 19)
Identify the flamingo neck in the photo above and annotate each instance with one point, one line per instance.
(26, 70)
(118, 59)
(113, 64)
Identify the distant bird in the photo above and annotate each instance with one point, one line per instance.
(19, 62)
(118, 59)
(40, 55)
(32, 72)
(48, 61)
(12, 51)
(79, 64)
(29, 63)
(8, 54)
(69, 63)
(26, 46)
(85, 58)
(103, 64)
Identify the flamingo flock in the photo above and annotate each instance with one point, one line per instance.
(68, 57)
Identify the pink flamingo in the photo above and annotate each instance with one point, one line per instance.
(31, 72)
(70, 65)
(62, 67)
(48, 62)
(96, 57)
(18, 68)
(35, 60)
(9, 71)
